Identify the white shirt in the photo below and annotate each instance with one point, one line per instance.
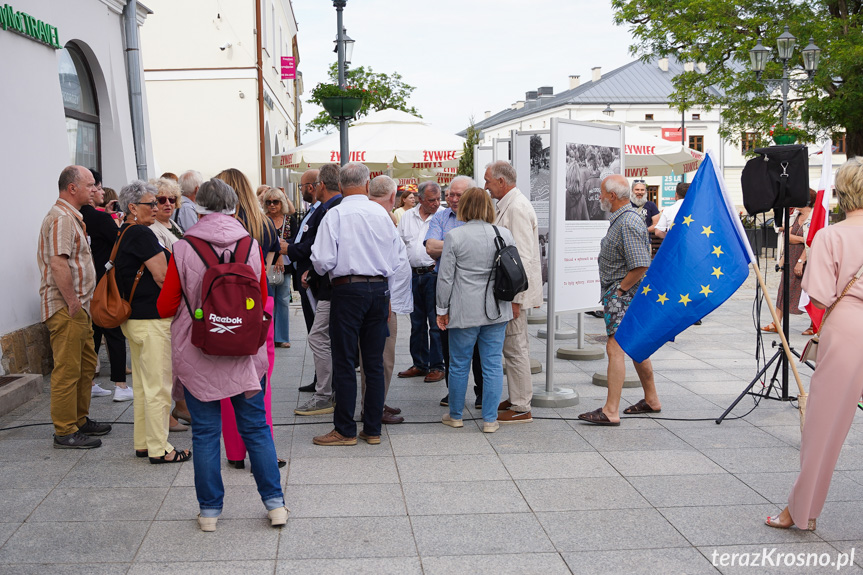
(667, 216)
(369, 243)
(413, 230)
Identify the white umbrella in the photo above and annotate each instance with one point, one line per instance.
(389, 140)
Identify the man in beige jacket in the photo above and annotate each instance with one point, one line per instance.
(515, 213)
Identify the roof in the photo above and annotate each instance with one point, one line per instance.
(616, 87)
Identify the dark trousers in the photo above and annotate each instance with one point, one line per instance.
(359, 312)
(115, 341)
(425, 344)
(476, 365)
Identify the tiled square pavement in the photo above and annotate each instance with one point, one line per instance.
(656, 495)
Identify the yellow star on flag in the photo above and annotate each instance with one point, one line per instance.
(717, 272)
(717, 251)
(645, 290)
(688, 220)
(662, 299)
(707, 231)
(706, 290)
(684, 299)
(671, 225)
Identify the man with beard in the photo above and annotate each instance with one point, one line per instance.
(623, 261)
(645, 208)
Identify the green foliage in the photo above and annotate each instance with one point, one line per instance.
(323, 91)
(720, 34)
(465, 163)
(379, 92)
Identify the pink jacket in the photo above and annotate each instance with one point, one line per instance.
(210, 377)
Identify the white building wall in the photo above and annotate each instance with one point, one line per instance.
(33, 141)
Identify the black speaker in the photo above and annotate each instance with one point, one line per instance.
(778, 177)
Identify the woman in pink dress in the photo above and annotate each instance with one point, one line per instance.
(837, 385)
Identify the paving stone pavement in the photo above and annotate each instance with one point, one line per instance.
(656, 495)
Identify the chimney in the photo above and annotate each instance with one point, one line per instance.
(688, 67)
(597, 73)
(702, 67)
(519, 105)
(545, 91)
(530, 96)
(488, 114)
(663, 64)
(574, 81)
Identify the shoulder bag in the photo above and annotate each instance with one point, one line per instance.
(108, 308)
(810, 352)
(510, 277)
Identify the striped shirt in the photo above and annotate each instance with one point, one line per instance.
(63, 234)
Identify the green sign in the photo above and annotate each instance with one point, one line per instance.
(669, 187)
(29, 26)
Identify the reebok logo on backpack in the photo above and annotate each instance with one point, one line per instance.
(231, 320)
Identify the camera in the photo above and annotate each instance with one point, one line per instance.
(225, 46)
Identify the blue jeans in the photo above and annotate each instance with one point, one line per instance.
(358, 312)
(206, 451)
(425, 345)
(282, 311)
(461, 341)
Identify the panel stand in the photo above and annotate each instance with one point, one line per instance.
(580, 353)
(558, 333)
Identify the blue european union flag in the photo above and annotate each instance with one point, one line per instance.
(703, 260)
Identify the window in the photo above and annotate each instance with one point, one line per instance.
(696, 143)
(839, 143)
(264, 44)
(81, 108)
(653, 194)
(748, 141)
(648, 117)
(273, 22)
(696, 116)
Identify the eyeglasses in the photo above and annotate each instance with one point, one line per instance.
(151, 204)
(637, 181)
(312, 184)
(273, 202)
(165, 199)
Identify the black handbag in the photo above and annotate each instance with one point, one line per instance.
(777, 178)
(510, 277)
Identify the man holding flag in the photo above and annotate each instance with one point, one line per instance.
(701, 263)
(623, 261)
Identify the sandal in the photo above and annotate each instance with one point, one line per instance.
(597, 417)
(809, 331)
(771, 327)
(774, 522)
(284, 344)
(641, 407)
(140, 453)
(179, 457)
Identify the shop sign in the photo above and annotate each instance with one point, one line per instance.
(669, 187)
(289, 68)
(29, 26)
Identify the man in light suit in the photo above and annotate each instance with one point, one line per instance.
(515, 213)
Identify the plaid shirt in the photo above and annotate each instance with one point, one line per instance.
(626, 246)
(441, 223)
(63, 234)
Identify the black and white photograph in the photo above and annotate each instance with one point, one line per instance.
(540, 191)
(586, 166)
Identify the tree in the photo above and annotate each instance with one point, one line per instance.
(720, 34)
(384, 91)
(465, 163)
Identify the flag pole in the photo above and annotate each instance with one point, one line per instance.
(802, 396)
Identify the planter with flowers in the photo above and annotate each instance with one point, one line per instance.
(788, 134)
(340, 103)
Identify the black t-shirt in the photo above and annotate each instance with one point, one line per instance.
(139, 244)
(650, 210)
(103, 233)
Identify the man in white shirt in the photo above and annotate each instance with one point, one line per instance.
(359, 249)
(666, 218)
(425, 344)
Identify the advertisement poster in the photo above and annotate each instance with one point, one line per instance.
(666, 192)
(532, 162)
(581, 156)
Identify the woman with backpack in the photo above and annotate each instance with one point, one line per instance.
(140, 265)
(209, 381)
(467, 307)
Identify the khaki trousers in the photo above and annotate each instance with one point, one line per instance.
(74, 366)
(516, 354)
(150, 344)
(319, 343)
(389, 355)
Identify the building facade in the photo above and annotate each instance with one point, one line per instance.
(213, 77)
(66, 100)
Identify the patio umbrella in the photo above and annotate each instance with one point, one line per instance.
(386, 141)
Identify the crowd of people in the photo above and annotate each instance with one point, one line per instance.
(356, 261)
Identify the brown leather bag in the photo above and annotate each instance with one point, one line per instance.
(108, 308)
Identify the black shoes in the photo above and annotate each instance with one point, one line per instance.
(94, 428)
(445, 401)
(308, 388)
(76, 440)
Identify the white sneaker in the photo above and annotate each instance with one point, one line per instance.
(97, 391)
(123, 394)
(278, 516)
(207, 524)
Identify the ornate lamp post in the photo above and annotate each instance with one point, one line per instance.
(343, 45)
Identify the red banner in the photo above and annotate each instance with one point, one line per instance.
(289, 68)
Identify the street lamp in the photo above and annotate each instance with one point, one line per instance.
(341, 45)
(609, 111)
(349, 46)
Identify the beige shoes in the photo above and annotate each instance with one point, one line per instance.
(278, 516)
(447, 420)
(490, 426)
(207, 524)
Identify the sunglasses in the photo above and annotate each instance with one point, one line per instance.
(151, 204)
(273, 202)
(638, 181)
(165, 199)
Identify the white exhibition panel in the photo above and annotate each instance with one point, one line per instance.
(530, 157)
(501, 150)
(582, 154)
(482, 156)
